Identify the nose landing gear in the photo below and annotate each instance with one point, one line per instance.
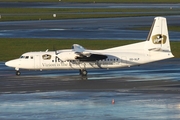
(18, 73)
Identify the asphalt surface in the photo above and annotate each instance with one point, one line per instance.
(103, 28)
(158, 77)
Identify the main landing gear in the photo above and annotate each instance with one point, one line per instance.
(18, 73)
(83, 72)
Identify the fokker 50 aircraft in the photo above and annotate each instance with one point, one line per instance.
(155, 48)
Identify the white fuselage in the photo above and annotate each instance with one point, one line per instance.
(66, 59)
(35, 60)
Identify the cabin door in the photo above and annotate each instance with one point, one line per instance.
(37, 62)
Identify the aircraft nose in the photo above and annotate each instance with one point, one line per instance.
(11, 63)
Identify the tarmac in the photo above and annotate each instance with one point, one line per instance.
(36, 84)
(150, 78)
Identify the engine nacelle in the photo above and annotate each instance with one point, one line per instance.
(64, 56)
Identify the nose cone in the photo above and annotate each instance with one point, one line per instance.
(11, 63)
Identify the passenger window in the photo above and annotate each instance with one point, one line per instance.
(27, 57)
(31, 57)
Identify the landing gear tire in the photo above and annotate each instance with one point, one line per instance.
(18, 73)
(83, 72)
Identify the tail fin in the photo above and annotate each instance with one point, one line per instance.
(158, 38)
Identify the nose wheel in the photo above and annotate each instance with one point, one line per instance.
(18, 73)
(83, 72)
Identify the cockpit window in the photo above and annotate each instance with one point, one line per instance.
(24, 57)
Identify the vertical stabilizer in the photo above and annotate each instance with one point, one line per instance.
(157, 42)
(158, 37)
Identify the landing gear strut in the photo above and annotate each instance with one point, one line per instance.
(83, 72)
(18, 73)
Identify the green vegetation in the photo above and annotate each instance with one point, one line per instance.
(14, 14)
(98, 1)
(175, 49)
(174, 28)
(11, 48)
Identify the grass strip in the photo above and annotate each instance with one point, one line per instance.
(11, 48)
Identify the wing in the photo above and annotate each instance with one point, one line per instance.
(86, 55)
